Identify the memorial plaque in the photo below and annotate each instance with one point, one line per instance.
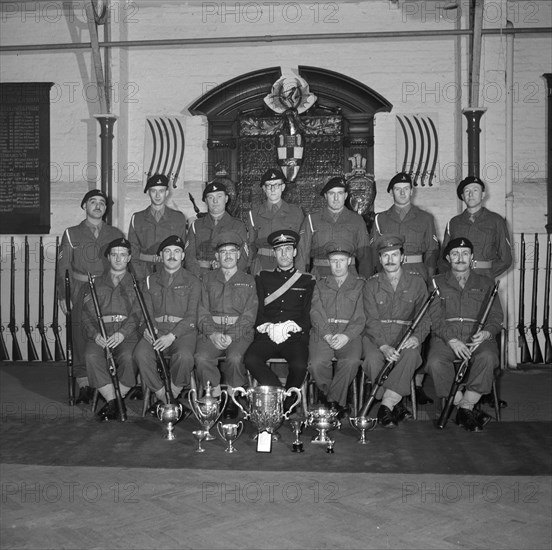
(25, 158)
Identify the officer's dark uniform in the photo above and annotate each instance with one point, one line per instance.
(292, 305)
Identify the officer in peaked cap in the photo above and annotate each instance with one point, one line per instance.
(339, 247)
(158, 180)
(117, 243)
(387, 242)
(281, 238)
(227, 238)
(401, 177)
(172, 240)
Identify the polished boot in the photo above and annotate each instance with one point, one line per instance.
(386, 417)
(109, 411)
(468, 420)
(421, 396)
(86, 394)
(482, 418)
(401, 412)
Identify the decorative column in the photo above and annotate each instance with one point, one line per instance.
(473, 116)
(107, 121)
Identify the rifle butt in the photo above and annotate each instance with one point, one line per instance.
(4, 355)
(525, 353)
(59, 353)
(45, 348)
(547, 349)
(445, 413)
(537, 353)
(32, 354)
(16, 350)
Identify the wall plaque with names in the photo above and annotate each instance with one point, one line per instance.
(25, 157)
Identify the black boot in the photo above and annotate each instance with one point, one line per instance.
(421, 396)
(401, 412)
(86, 394)
(468, 420)
(386, 417)
(109, 411)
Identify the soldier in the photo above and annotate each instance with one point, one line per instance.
(462, 294)
(335, 222)
(338, 320)
(283, 320)
(200, 252)
(81, 252)
(151, 226)
(273, 215)
(171, 296)
(226, 318)
(392, 299)
(485, 229)
(421, 245)
(116, 300)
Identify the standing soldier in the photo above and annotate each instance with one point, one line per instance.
(338, 320)
(226, 318)
(462, 294)
(272, 215)
(116, 300)
(81, 252)
(486, 230)
(149, 227)
(171, 296)
(335, 222)
(200, 252)
(392, 299)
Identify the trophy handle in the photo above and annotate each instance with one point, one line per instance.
(180, 410)
(221, 409)
(288, 393)
(192, 396)
(240, 429)
(241, 391)
(219, 432)
(160, 411)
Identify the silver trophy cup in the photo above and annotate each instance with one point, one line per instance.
(362, 424)
(324, 420)
(229, 433)
(266, 406)
(208, 409)
(169, 414)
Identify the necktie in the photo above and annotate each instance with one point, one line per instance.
(115, 280)
(96, 231)
(157, 215)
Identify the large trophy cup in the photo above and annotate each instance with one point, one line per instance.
(208, 409)
(323, 420)
(266, 409)
(169, 414)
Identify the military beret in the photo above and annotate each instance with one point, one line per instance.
(339, 247)
(283, 237)
(121, 242)
(173, 240)
(388, 241)
(459, 242)
(213, 187)
(272, 175)
(401, 177)
(465, 182)
(157, 179)
(227, 238)
(94, 193)
(338, 181)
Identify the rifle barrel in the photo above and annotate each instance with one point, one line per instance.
(4, 355)
(45, 348)
(69, 340)
(32, 354)
(525, 353)
(537, 354)
(59, 354)
(16, 350)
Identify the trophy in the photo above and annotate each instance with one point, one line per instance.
(266, 407)
(296, 427)
(323, 420)
(169, 414)
(200, 435)
(208, 409)
(329, 448)
(229, 433)
(363, 423)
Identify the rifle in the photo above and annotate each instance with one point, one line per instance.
(32, 355)
(464, 365)
(111, 366)
(69, 338)
(46, 353)
(389, 365)
(16, 351)
(545, 320)
(59, 354)
(525, 354)
(198, 213)
(537, 354)
(161, 363)
(4, 356)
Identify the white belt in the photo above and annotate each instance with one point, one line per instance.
(482, 264)
(265, 252)
(413, 259)
(462, 320)
(225, 319)
(320, 262)
(113, 318)
(148, 257)
(168, 319)
(80, 277)
(397, 321)
(205, 264)
(332, 320)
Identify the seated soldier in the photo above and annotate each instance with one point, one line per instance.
(392, 298)
(115, 298)
(226, 318)
(462, 294)
(338, 320)
(171, 296)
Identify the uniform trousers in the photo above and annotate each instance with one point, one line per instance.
(96, 364)
(334, 383)
(295, 350)
(480, 376)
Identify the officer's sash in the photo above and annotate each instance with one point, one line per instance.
(283, 289)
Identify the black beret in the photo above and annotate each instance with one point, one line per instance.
(465, 182)
(338, 181)
(227, 238)
(459, 242)
(94, 193)
(173, 240)
(157, 179)
(283, 237)
(401, 177)
(272, 175)
(213, 187)
(339, 247)
(121, 242)
(388, 241)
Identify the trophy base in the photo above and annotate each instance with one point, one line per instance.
(275, 436)
(209, 437)
(320, 441)
(298, 448)
(169, 436)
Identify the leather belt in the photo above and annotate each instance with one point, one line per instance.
(225, 319)
(462, 320)
(148, 257)
(413, 259)
(113, 318)
(320, 262)
(397, 321)
(482, 264)
(80, 277)
(265, 252)
(205, 264)
(333, 320)
(168, 319)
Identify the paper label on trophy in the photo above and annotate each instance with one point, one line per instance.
(264, 442)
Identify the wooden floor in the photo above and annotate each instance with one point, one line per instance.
(70, 507)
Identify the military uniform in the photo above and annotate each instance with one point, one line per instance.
(389, 313)
(336, 310)
(455, 315)
(228, 307)
(172, 302)
(200, 252)
(261, 222)
(119, 314)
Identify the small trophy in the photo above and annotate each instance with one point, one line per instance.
(323, 420)
(296, 427)
(169, 414)
(229, 433)
(330, 447)
(200, 435)
(363, 423)
(208, 409)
